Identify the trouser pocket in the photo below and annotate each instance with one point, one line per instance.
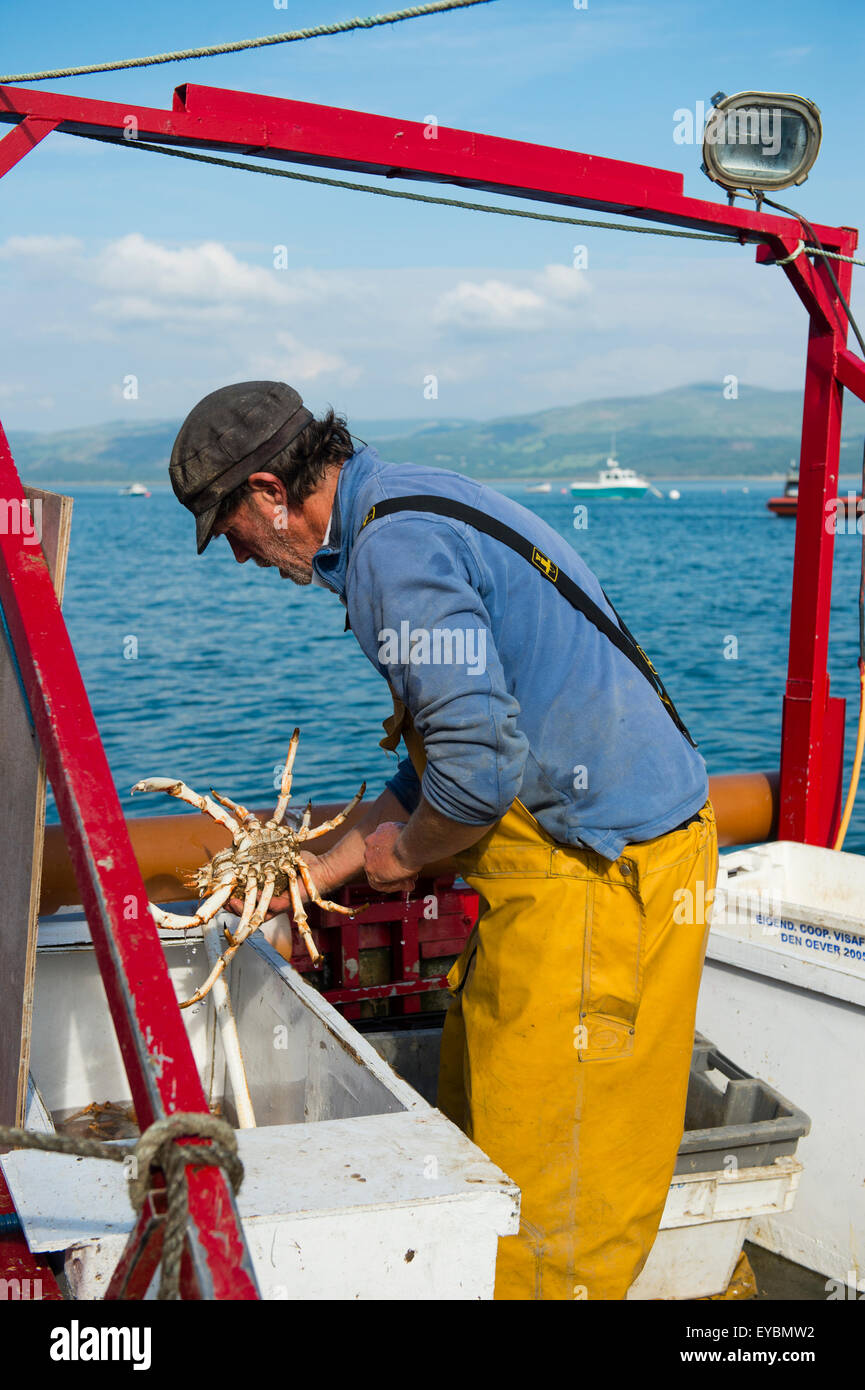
(460, 970)
(613, 964)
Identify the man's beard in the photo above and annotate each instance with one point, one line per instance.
(296, 575)
(287, 569)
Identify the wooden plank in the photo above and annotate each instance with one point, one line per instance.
(22, 817)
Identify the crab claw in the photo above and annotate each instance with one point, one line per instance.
(156, 784)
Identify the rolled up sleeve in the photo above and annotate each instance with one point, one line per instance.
(415, 606)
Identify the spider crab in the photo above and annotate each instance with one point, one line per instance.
(263, 861)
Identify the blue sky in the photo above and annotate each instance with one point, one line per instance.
(117, 264)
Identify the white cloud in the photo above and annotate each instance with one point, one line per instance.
(206, 273)
(40, 247)
(128, 307)
(490, 304)
(297, 362)
(494, 305)
(564, 282)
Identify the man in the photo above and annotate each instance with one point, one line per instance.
(544, 758)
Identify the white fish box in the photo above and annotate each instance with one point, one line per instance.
(783, 990)
(806, 901)
(355, 1187)
(704, 1225)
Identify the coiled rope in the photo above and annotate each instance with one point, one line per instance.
(155, 1150)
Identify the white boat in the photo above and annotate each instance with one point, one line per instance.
(134, 490)
(540, 487)
(613, 481)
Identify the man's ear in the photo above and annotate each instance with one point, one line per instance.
(272, 487)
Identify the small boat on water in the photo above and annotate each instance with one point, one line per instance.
(787, 503)
(851, 505)
(612, 481)
(134, 490)
(539, 487)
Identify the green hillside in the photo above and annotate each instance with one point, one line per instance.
(689, 431)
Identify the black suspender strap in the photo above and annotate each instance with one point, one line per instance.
(619, 636)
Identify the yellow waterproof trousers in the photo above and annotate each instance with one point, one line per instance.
(567, 1047)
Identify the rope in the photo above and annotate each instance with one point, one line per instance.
(155, 1149)
(320, 30)
(398, 193)
(738, 238)
(794, 255)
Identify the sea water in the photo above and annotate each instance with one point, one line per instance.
(200, 668)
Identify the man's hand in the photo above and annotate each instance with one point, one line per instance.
(386, 871)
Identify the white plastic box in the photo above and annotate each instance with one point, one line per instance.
(783, 992)
(705, 1224)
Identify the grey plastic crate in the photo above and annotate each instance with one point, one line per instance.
(731, 1116)
(736, 1117)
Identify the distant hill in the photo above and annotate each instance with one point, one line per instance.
(690, 431)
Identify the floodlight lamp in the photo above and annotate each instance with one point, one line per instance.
(760, 140)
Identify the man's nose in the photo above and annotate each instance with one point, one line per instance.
(241, 554)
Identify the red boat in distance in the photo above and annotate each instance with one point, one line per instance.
(849, 505)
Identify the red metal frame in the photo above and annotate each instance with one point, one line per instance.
(403, 926)
(157, 1056)
(24, 1277)
(156, 1052)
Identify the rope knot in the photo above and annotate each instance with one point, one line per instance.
(158, 1148)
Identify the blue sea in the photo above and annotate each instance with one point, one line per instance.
(200, 669)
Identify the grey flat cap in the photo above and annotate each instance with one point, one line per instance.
(229, 435)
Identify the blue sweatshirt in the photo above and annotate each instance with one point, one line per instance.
(514, 692)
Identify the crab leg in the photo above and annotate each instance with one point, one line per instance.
(300, 916)
(337, 820)
(209, 908)
(285, 789)
(322, 902)
(248, 905)
(184, 793)
(248, 819)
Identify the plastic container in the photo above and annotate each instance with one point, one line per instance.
(783, 991)
(736, 1120)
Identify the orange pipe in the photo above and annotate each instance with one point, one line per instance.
(746, 807)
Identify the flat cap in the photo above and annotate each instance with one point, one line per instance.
(230, 434)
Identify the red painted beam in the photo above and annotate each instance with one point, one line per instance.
(850, 371)
(336, 138)
(156, 1052)
(813, 726)
(21, 140)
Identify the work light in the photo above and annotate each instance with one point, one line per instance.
(760, 140)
